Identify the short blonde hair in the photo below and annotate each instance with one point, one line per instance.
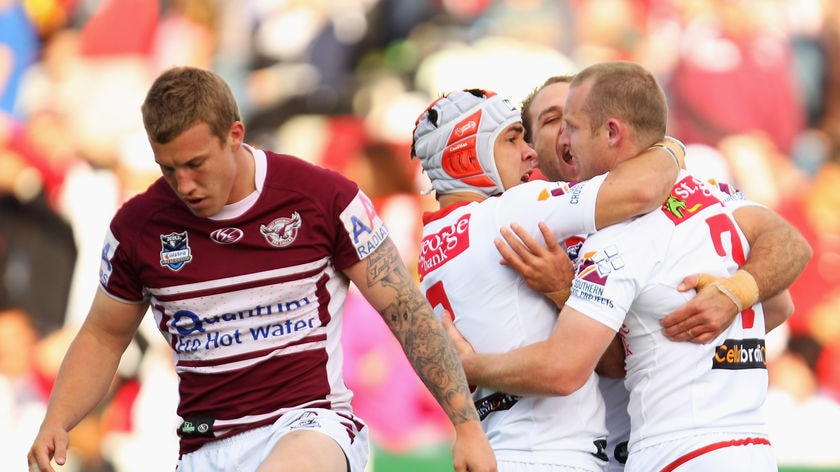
(627, 91)
(182, 97)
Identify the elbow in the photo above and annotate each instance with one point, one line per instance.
(801, 252)
(800, 246)
(788, 309)
(807, 251)
(564, 383)
(648, 198)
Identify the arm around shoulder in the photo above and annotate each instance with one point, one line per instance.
(557, 366)
(778, 251)
(637, 186)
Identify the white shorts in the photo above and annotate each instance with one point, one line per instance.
(516, 466)
(245, 452)
(718, 452)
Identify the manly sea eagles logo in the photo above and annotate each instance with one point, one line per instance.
(176, 250)
(282, 231)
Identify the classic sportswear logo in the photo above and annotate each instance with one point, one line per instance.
(226, 235)
(200, 426)
(573, 246)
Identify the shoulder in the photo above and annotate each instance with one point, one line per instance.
(538, 190)
(137, 210)
(290, 165)
(293, 173)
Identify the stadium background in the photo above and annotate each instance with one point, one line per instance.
(753, 87)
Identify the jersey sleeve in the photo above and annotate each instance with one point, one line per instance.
(731, 196)
(568, 209)
(360, 231)
(117, 274)
(610, 274)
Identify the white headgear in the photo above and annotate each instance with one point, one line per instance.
(454, 138)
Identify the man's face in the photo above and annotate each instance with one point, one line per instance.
(515, 159)
(587, 151)
(546, 118)
(200, 168)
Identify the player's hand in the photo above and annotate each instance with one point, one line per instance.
(703, 317)
(50, 442)
(462, 346)
(472, 451)
(545, 268)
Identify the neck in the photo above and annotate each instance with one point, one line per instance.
(245, 184)
(459, 197)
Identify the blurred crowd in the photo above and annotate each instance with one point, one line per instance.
(753, 86)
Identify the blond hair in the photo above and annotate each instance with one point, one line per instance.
(182, 97)
(629, 92)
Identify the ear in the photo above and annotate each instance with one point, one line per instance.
(615, 131)
(236, 134)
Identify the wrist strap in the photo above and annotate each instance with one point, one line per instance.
(741, 288)
(559, 297)
(673, 155)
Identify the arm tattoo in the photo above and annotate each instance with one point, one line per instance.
(428, 348)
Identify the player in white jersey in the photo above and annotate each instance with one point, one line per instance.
(542, 117)
(245, 258)
(542, 114)
(600, 132)
(471, 143)
(680, 393)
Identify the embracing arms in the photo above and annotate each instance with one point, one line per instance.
(536, 369)
(639, 185)
(778, 254)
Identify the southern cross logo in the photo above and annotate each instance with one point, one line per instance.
(597, 266)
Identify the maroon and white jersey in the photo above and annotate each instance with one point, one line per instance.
(251, 299)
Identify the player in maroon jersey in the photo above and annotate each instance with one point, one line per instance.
(244, 258)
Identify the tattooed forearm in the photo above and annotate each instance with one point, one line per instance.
(428, 348)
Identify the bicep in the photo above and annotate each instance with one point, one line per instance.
(778, 251)
(113, 321)
(755, 219)
(758, 221)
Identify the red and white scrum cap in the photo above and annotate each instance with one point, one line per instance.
(454, 138)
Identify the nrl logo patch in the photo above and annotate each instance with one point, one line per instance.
(282, 231)
(176, 250)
